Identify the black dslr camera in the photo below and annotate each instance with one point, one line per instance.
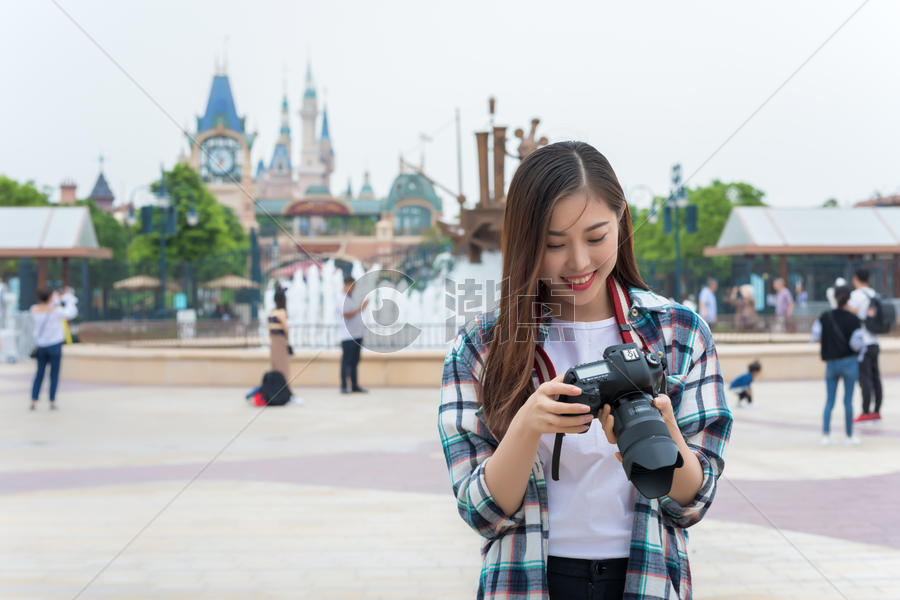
(628, 379)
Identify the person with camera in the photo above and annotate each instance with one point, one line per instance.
(351, 330)
(572, 295)
(49, 316)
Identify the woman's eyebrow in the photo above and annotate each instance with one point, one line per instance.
(591, 228)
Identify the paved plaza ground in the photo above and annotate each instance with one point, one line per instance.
(348, 497)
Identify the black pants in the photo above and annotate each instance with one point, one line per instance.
(745, 396)
(581, 579)
(870, 379)
(349, 362)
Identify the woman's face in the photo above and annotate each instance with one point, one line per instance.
(580, 251)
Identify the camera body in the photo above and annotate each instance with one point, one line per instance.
(624, 371)
(628, 379)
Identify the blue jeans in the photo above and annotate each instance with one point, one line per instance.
(848, 369)
(47, 354)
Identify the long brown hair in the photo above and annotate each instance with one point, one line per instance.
(543, 178)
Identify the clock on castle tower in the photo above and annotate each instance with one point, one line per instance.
(220, 160)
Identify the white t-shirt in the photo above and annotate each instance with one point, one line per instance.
(708, 299)
(48, 326)
(591, 507)
(860, 299)
(352, 328)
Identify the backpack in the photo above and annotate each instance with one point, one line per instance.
(275, 390)
(882, 315)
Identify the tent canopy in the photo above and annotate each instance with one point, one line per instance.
(783, 231)
(140, 283)
(230, 282)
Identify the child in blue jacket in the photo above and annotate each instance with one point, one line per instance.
(741, 384)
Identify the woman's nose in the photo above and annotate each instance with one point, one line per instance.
(579, 259)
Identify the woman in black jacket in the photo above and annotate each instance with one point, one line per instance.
(840, 336)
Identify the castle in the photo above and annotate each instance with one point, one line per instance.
(295, 197)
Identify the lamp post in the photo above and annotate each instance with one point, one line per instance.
(671, 220)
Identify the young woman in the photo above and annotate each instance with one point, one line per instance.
(840, 334)
(49, 334)
(279, 345)
(568, 260)
(279, 359)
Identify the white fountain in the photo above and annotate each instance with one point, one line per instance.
(445, 303)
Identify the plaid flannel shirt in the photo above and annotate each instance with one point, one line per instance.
(515, 546)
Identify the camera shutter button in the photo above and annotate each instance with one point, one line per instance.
(652, 359)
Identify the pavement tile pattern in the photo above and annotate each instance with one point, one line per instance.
(348, 497)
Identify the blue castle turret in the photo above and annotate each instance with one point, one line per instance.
(220, 108)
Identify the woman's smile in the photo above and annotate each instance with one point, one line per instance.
(580, 282)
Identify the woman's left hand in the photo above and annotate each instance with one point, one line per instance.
(662, 403)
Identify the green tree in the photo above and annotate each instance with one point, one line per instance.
(113, 235)
(655, 249)
(216, 246)
(830, 203)
(13, 193)
(110, 233)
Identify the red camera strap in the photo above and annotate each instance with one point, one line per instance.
(619, 298)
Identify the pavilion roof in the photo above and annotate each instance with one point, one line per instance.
(765, 230)
(49, 232)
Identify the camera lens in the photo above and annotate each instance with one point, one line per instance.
(649, 455)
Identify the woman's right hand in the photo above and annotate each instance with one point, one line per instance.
(543, 413)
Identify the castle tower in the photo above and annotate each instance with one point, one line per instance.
(220, 152)
(277, 181)
(311, 170)
(326, 151)
(366, 192)
(284, 136)
(101, 194)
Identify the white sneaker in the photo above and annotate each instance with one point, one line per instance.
(296, 400)
(826, 440)
(852, 441)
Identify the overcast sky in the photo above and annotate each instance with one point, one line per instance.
(648, 83)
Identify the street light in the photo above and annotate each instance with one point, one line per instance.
(192, 217)
(674, 203)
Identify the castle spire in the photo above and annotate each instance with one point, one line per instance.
(285, 119)
(310, 89)
(325, 135)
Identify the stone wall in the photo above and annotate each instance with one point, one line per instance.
(408, 368)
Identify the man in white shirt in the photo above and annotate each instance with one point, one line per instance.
(709, 310)
(352, 329)
(869, 375)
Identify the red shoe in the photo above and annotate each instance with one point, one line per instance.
(863, 417)
(874, 416)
